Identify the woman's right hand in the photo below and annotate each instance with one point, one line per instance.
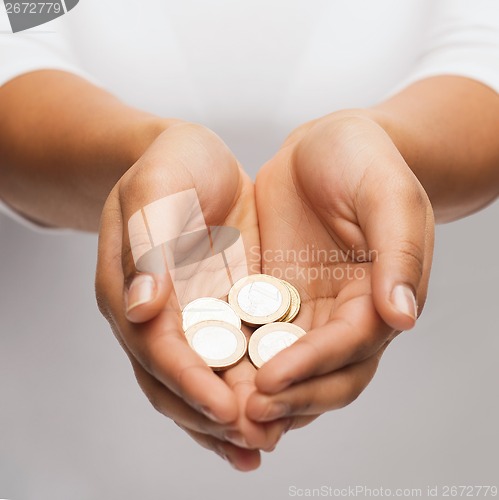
(147, 323)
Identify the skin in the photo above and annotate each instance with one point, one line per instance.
(179, 384)
(369, 178)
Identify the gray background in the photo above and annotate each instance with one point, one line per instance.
(74, 425)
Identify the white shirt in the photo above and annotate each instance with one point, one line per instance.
(254, 70)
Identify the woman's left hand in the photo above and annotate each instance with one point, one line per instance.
(344, 219)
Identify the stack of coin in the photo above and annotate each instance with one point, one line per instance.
(213, 327)
(260, 299)
(213, 330)
(295, 305)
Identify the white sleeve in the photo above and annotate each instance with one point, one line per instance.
(45, 48)
(462, 39)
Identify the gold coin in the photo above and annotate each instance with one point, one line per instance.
(268, 340)
(259, 299)
(295, 303)
(220, 344)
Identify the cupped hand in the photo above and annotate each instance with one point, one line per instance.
(340, 215)
(344, 219)
(143, 309)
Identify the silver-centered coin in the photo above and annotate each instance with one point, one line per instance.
(260, 299)
(295, 303)
(220, 344)
(209, 308)
(268, 340)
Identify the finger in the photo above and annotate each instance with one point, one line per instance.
(162, 349)
(354, 333)
(158, 345)
(241, 459)
(241, 379)
(301, 421)
(146, 296)
(171, 406)
(317, 395)
(396, 217)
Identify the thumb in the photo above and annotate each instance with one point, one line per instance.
(146, 296)
(399, 229)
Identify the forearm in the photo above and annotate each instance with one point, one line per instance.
(447, 129)
(64, 143)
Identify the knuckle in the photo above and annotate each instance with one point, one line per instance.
(103, 304)
(181, 426)
(140, 181)
(316, 353)
(350, 395)
(156, 403)
(128, 265)
(356, 381)
(151, 393)
(362, 349)
(299, 132)
(203, 426)
(303, 404)
(102, 299)
(365, 339)
(411, 256)
(355, 392)
(148, 354)
(415, 196)
(142, 354)
(183, 375)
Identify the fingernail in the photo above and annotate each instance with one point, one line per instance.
(141, 291)
(236, 438)
(404, 300)
(270, 449)
(221, 453)
(275, 411)
(208, 413)
(288, 426)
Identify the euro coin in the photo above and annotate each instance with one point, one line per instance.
(208, 308)
(295, 303)
(220, 344)
(259, 299)
(268, 340)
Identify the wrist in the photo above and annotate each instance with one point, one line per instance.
(110, 156)
(136, 136)
(121, 147)
(392, 126)
(396, 128)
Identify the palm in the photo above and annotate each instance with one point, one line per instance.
(319, 247)
(297, 244)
